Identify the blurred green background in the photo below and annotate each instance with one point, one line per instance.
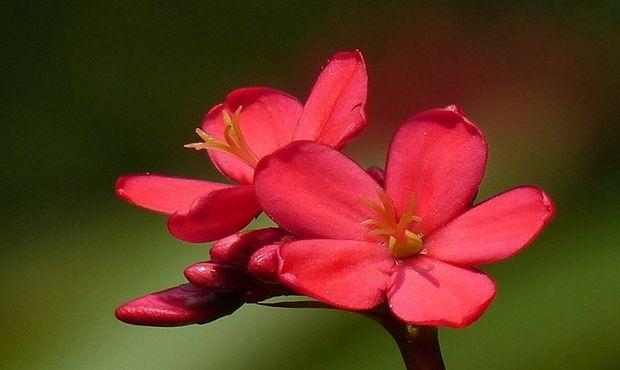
(93, 90)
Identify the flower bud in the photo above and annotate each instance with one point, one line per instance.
(237, 249)
(182, 305)
(217, 277)
(263, 264)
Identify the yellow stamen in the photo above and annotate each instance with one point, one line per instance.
(234, 143)
(401, 241)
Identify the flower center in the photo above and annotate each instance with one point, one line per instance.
(234, 142)
(401, 241)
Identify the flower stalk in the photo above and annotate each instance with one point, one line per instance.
(418, 345)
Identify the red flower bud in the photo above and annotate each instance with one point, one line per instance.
(263, 264)
(237, 249)
(182, 305)
(218, 277)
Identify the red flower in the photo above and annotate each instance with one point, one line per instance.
(250, 124)
(412, 244)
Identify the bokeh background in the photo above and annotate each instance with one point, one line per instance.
(93, 90)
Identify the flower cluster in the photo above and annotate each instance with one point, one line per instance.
(405, 240)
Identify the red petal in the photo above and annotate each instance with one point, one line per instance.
(334, 111)
(237, 249)
(315, 191)
(429, 292)
(348, 274)
(220, 278)
(267, 122)
(182, 305)
(438, 157)
(163, 193)
(216, 215)
(494, 230)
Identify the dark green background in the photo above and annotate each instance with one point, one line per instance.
(95, 90)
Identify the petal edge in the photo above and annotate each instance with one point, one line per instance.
(429, 292)
(315, 192)
(216, 215)
(493, 230)
(163, 194)
(438, 157)
(348, 274)
(335, 109)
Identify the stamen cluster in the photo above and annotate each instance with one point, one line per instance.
(234, 143)
(401, 241)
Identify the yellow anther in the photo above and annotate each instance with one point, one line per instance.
(234, 143)
(401, 241)
(413, 236)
